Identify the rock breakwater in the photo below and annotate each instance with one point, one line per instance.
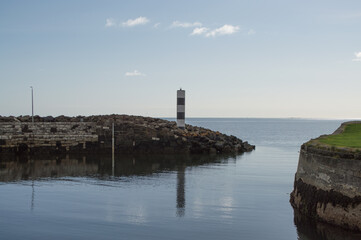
(94, 134)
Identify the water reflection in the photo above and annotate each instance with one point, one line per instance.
(96, 168)
(32, 196)
(16, 169)
(29, 169)
(181, 199)
(309, 229)
(104, 168)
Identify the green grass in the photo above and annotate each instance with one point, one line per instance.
(351, 137)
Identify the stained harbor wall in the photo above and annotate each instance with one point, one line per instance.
(328, 186)
(45, 134)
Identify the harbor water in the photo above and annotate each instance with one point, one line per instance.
(167, 196)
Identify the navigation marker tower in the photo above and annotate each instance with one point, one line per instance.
(181, 108)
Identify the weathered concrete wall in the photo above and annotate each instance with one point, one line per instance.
(46, 134)
(330, 173)
(328, 187)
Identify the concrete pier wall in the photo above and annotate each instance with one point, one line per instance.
(21, 137)
(328, 186)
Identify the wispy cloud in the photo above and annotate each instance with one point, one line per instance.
(156, 25)
(135, 22)
(198, 28)
(358, 57)
(109, 22)
(185, 24)
(224, 30)
(251, 32)
(199, 31)
(135, 73)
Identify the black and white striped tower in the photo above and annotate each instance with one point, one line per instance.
(181, 94)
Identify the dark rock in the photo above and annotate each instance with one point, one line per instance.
(49, 119)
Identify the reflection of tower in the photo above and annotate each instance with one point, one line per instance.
(181, 200)
(32, 196)
(181, 108)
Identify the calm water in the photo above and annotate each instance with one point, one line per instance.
(167, 197)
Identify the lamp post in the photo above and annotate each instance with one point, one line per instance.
(113, 148)
(32, 105)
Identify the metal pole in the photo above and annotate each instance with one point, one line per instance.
(113, 148)
(32, 105)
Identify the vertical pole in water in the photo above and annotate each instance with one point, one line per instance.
(113, 148)
(32, 105)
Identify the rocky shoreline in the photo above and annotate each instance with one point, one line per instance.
(84, 134)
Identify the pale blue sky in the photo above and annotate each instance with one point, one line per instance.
(251, 58)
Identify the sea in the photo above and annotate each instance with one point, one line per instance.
(243, 196)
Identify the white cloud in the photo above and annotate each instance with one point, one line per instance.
(109, 22)
(156, 25)
(134, 22)
(224, 30)
(185, 24)
(135, 73)
(199, 31)
(358, 57)
(251, 32)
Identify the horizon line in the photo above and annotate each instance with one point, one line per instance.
(226, 117)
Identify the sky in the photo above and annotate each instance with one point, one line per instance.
(269, 59)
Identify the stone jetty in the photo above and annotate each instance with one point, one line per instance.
(87, 134)
(327, 183)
